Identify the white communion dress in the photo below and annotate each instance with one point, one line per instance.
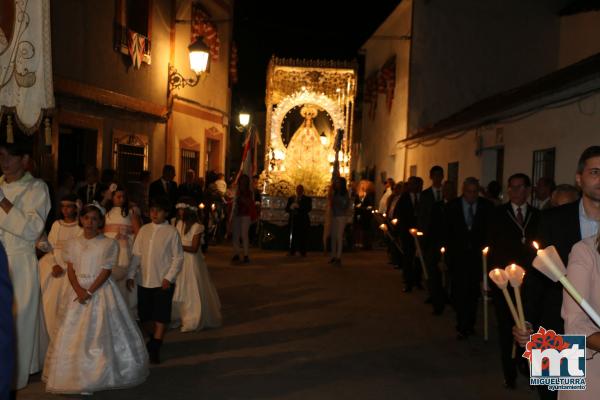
(117, 224)
(98, 346)
(195, 301)
(56, 291)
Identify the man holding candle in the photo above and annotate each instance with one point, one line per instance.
(467, 221)
(429, 197)
(514, 225)
(562, 227)
(406, 213)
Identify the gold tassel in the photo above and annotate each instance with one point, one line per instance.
(9, 130)
(48, 131)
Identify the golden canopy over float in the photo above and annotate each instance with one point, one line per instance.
(307, 101)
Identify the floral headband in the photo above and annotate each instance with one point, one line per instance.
(184, 205)
(98, 207)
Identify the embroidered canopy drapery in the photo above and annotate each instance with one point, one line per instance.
(25, 61)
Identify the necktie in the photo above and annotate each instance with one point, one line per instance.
(520, 216)
(90, 193)
(470, 217)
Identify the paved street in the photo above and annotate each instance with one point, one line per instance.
(304, 329)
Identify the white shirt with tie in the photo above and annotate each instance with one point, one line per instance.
(523, 208)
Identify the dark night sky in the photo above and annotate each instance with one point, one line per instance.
(325, 29)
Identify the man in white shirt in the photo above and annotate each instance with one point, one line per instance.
(157, 249)
(389, 186)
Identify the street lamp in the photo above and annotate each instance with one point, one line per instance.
(244, 119)
(199, 58)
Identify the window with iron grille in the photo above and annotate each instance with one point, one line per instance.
(189, 160)
(131, 161)
(543, 164)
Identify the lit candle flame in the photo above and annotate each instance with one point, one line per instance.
(413, 231)
(213, 206)
(419, 233)
(443, 250)
(395, 221)
(485, 250)
(384, 215)
(536, 245)
(383, 227)
(201, 206)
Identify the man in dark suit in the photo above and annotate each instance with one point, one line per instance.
(91, 190)
(514, 225)
(429, 197)
(561, 227)
(436, 240)
(298, 207)
(165, 186)
(7, 340)
(191, 187)
(406, 212)
(467, 221)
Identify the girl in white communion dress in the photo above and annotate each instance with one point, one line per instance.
(98, 346)
(195, 301)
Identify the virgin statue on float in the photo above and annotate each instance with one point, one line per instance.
(306, 161)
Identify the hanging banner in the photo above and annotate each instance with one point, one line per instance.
(203, 27)
(135, 45)
(26, 60)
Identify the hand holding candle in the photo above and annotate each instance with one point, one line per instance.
(549, 263)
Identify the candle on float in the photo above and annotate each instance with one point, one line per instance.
(549, 263)
(516, 273)
(415, 233)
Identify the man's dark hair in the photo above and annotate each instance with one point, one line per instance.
(21, 146)
(548, 182)
(69, 197)
(590, 152)
(168, 168)
(520, 175)
(161, 202)
(436, 169)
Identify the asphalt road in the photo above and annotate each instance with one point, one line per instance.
(299, 328)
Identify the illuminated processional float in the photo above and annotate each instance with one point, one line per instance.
(308, 102)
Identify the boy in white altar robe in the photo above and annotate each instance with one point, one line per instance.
(24, 207)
